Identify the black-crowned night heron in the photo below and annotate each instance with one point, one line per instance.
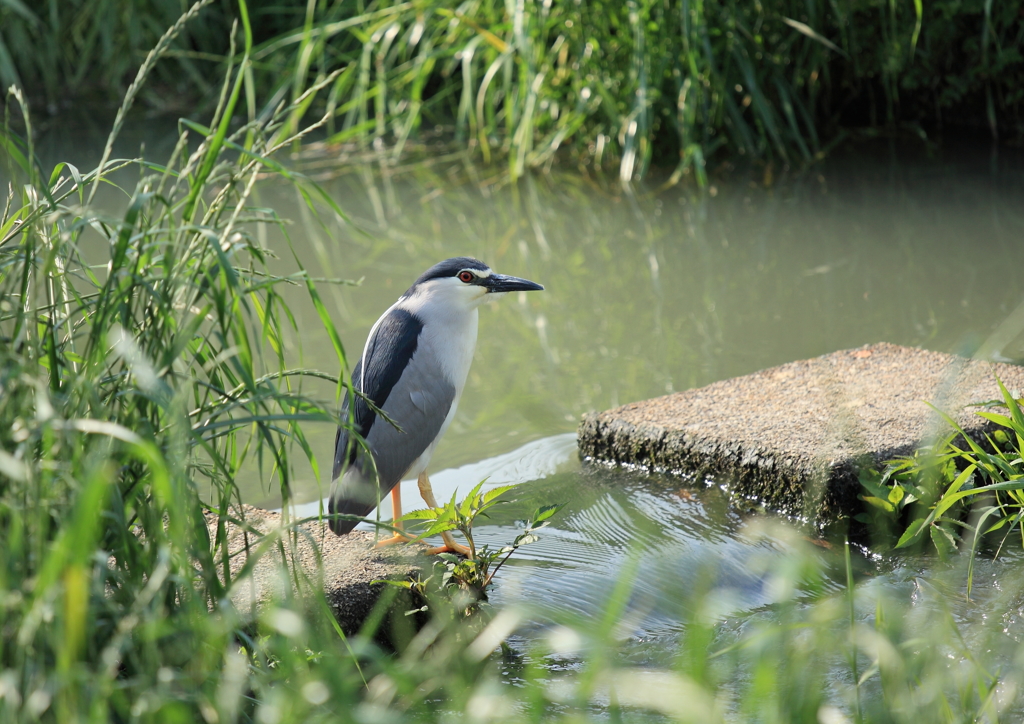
(413, 368)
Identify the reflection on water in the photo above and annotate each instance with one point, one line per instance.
(534, 461)
(662, 532)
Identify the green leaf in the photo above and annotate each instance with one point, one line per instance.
(912, 531)
(1013, 406)
(217, 139)
(424, 514)
(879, 503)
(325, 317)
(952, 495)
(1010, 485)
(896, 494)
(546, 511)
(944, 542)
(440, 526)
(498, 491)
(979, 526)
(996, 418)
(870, 481)
(390, 582)
(468, 503)
(12, 144)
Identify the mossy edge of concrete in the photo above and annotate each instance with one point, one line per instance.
(788, 483)
(818, 484)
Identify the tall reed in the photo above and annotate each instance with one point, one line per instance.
(614, 84)
(621, 84)
(142, 369)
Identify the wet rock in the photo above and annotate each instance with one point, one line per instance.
(795, 436)
(345, 567)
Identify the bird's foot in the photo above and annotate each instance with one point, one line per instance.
(457, 549)
(396, 538)
(450, 546)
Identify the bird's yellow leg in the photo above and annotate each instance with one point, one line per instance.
(450, 546)
(396, 518)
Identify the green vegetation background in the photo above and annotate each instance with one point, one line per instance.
(141, 362)
(668, 81)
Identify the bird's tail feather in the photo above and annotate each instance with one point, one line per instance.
(346, 506)
(352, 494)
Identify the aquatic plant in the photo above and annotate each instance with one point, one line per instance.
(461, 583)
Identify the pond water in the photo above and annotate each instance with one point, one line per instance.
(660, 291)
(648, 293)
(655, 292)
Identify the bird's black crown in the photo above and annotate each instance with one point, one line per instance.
(451, 267)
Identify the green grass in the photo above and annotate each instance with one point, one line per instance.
(956, 494)
(141, 363)
(143, 367)
(614, 85)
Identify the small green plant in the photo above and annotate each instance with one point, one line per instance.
(955, 487)
(912, 483)
(464, 580)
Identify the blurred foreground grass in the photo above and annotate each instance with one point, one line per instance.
(141, 366)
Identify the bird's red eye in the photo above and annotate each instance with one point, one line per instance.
(466, 276)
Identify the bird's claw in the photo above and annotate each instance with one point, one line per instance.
(450, 546)
(396, 538)
(457, 549)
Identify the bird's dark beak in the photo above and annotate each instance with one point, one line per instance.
(497, 283)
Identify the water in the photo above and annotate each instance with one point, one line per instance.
(657, 292)
(649, 293)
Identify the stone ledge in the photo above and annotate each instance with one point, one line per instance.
(349, 565)
(795, 436)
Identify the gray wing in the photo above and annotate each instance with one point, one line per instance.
(404, 381)
(419, 403)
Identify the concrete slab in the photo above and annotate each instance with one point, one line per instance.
(344, 566)
(794, 437)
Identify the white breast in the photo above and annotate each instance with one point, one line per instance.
(447, 342)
